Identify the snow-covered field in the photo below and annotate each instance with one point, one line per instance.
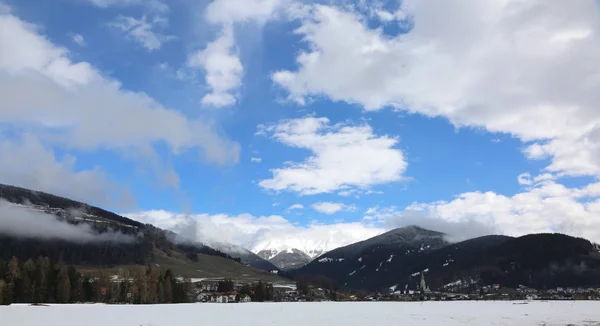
(314, 314)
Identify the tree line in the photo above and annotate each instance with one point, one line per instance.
(45, 281)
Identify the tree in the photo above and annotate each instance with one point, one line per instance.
(41, 278)
(152, 276)
(63, 286)
(142, 285)
(2, 293)
(225, 285)
(168, 289)
(161, 292)
(29, 282)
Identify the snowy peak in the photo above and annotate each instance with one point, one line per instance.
(290, 259)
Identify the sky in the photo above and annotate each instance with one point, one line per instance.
(308, 123)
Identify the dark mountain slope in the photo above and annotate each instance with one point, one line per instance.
(365, 264)
(539, 261)
(150, 244)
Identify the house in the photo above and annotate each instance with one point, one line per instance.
(225, 297)
(245, 298)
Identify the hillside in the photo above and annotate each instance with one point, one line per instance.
(104, 247)
(538, 261)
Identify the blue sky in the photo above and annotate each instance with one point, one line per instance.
(460, 120)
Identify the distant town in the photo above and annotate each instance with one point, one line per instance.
(210, 291)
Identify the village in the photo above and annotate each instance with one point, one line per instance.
(228, 291)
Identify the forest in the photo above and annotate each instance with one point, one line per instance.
(43, 281)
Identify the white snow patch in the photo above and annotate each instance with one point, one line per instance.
(390, 259)
(325, 260)
(360, 260)
(353, 272)
(415, 274)
(340, 259)
(426, 270)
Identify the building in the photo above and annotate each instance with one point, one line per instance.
(245, 298)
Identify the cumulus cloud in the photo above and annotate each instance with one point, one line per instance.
(344, 156)
(143, 30)
(72, 104)
(262, 232)
(330, 208)
(24, 222)
(546, 207)
(236, 11)
(526, 68)
(220, 59)
(223, 69)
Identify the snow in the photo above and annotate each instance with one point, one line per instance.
(390, 259)
(325, 260)
(415, 274)
(499, 313)
(340, 259)
(426, 270)
(377, 270)
(360, 260)
(354, 271)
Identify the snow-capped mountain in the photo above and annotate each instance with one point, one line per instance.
(288, 259)
(296, 251)
(246, 256)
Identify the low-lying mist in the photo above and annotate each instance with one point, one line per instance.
(25, 222)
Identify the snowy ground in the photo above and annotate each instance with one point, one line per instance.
(314, 314)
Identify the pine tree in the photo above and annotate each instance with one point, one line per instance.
(63, 286)
(161, 292)
(29, 282)
(3, 293)
(168, 288)
(41, 278)
(13, 277)
(142, 285)
(152, 276)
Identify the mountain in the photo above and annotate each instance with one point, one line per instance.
(95, 239)
(294, 252)
(246, 256)
(398, 259)
(354, 265)
(290, 259)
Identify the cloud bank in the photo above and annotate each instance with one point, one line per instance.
(24, 222)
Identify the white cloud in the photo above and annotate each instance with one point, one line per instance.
(78, 39)
(255, 159)
(343, 156)
(220, 59)
(526, 68)
(224, 71)
(236, 11)
(546, 207)
(330, 208)
(28, 223)
(73, 105)
(258, 233)
(143, 31)
(154, 5)
(295, 206)
(27, 163)
(525, 179)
